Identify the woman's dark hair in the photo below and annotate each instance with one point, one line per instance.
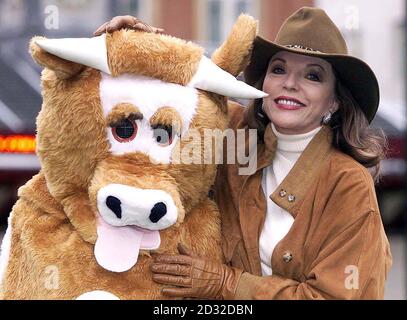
(352, 133)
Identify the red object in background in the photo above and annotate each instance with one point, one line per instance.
(394, 167)
(17, 144)
(391, 188)
(18, 163)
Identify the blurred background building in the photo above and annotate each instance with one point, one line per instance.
(372, 31)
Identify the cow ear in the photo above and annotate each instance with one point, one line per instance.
(234, 54)
(63, 69)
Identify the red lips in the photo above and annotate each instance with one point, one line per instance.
(288, 98)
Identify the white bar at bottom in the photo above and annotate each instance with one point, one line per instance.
(14, 161)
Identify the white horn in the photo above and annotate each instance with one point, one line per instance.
(210, 77)
(90, 52)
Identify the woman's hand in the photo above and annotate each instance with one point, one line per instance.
(126, 22)
(194, 276)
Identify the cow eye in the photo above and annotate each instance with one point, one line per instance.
(125, 130)
(163, 134)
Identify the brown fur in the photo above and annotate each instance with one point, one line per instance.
(123, 111)
(54, 221)
(63, 69)
(157, 56)
(239, 51)
(167, 116)
(35, 251)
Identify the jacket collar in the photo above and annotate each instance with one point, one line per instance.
(290, 193)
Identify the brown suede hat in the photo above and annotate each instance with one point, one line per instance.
(311, 32)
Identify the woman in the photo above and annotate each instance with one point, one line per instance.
(306, 224)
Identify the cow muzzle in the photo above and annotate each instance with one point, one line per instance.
(130, 220)
(121, 205)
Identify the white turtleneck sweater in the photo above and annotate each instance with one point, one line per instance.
(278, 221)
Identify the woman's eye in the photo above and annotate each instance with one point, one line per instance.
(125, 130)
(314, 77)
(163, 134)
(277, 70)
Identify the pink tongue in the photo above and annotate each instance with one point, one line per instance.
(117, 248)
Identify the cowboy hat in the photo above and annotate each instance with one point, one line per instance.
(311, 32)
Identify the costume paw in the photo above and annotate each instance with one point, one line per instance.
(97, 295)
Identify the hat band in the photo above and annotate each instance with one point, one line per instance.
(298, 46)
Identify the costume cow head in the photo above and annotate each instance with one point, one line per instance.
(116, 118)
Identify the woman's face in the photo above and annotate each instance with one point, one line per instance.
(301, 91)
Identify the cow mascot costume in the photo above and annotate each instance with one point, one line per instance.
(122, 176)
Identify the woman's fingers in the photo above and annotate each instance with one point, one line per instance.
(172, 269)
(178, 292)
(158, 30)
(122, 22)
(143, 27)
(140, 25)
(172, 280)
(101, 29)
(173, 259)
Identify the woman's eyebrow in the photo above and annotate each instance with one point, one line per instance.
(316, 65)
(275, 59)
(308, 65)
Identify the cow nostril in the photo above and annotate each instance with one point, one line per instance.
(115, 205)
(158, 211)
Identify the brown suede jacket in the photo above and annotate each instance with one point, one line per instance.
(336, 247)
